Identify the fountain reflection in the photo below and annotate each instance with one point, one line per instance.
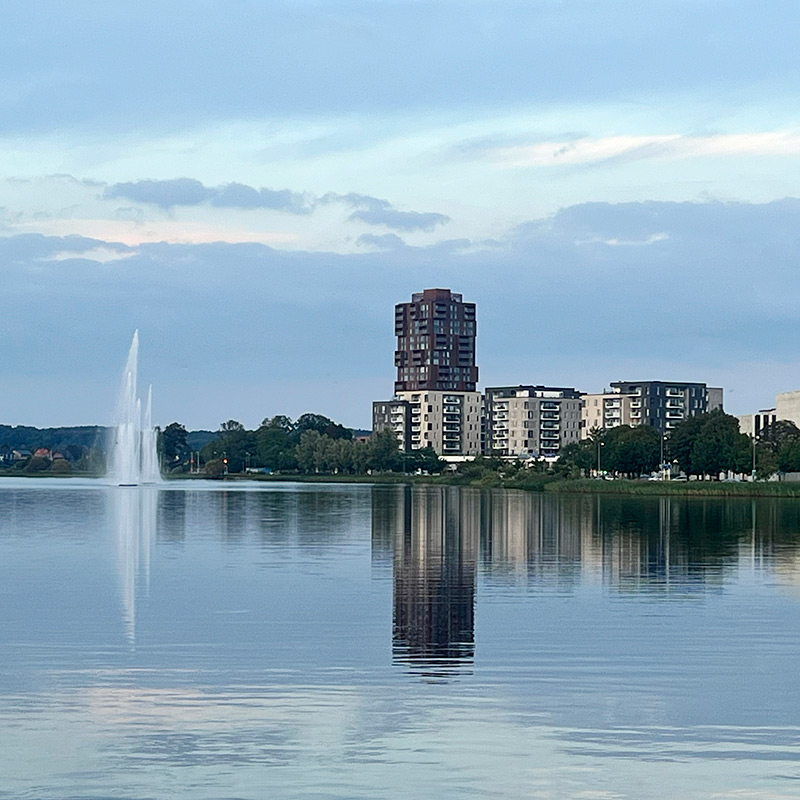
(134, 517)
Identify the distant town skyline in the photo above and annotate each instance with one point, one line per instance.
(615, 186)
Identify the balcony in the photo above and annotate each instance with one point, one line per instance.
(550, 435)
(549, 406)
(674, 392)
(674, 414)
(674, 403)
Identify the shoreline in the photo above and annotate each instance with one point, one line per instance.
(538, 483)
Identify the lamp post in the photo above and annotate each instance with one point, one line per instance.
(661, 462)
(599, 445)
(754, 454)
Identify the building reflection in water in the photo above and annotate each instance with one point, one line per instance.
(434, 534)
(133, 512)
(436, 537)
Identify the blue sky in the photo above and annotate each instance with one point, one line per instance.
(255, 184)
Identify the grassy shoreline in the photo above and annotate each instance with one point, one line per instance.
(525, 482)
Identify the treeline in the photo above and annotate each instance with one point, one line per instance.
(70, 441)
(707, 444)
(309, 445)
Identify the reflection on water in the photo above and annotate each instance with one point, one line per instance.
(435, 542)
(436, 537)
(133, 510)
(357, 642)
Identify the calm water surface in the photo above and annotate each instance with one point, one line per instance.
(337, 641)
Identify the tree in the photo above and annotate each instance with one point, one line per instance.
(323, 425)
(173, 444)
(635, 450)
(275, 443)
(788, 459)
(384, 451)
(233, 442)
(215, 468)
(423, 460)
(720, 447)
(682, 438)
(306, 451)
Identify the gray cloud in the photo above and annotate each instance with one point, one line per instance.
(717, 293)
(167, 194)
(386, 241)
(28, 248)
(406, 221)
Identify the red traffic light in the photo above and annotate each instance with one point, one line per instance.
(224, 460)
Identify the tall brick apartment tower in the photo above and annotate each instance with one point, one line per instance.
(435, 343)
(435, 401)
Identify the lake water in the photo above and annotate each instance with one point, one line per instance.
(341, 641)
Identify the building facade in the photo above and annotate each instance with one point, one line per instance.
(435, 343)
(449, 422)
(605, 410)
(665, 404)
(661, 404)
(754, 424)
(396, 415)
(530, 421)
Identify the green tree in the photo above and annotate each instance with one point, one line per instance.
(214, 468)
(306, 451)
(635, 450)
(233, 442)
(173, 444)
(719, 446)
(384, 451)
(323, 425)
(275, 444)
(788, 459)
(682, 438)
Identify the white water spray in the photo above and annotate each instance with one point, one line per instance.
(133, 457)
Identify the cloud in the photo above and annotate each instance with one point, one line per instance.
(167, 194)
(29, 248)
(400, 220)
(623, 149)
(386, 241)
(561, 300)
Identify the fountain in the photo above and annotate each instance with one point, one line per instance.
(133, 456)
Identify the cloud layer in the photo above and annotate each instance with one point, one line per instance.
(595, 293)
(167, 194)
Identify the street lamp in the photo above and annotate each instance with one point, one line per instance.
(661, 463)
(599, 445)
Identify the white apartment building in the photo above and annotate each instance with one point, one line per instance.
(531, 421)
(449, 422)
(607, 410)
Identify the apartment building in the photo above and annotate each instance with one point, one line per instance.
(435, 343)
(661, 404)
(449, 422)
(396, 415)
(530, 421)
(607, 410)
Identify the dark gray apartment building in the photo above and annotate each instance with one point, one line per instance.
(663, 404)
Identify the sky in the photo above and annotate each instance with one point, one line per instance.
(254, 185)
